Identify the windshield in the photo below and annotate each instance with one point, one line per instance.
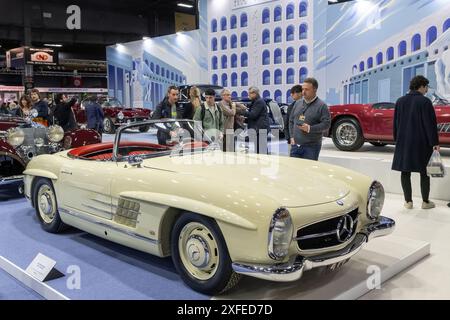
(436, 98)
(109, 102)
(156, 138)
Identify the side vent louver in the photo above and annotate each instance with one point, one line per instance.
(127, 213)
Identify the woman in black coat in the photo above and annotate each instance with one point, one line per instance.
(416, 135)
(63, 114)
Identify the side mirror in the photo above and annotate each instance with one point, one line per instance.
(135, 161)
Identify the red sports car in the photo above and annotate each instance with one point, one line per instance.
(354, 124)
(115, 114)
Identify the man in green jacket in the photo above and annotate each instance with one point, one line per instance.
(210, 116)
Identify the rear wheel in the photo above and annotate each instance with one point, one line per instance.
(108, 125)
(378, 144)
(200, 255)
(347, 134)
(47, 206)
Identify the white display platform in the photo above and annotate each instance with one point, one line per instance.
(390, 254)
(377, 162)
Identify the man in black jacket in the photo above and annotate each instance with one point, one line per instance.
(296, 94)
(63, 114)
(170, 108)
(40, 106)
(258, 120)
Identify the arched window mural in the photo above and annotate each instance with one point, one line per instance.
(379, 58)
(402, 49)
(361, 66)
(224, 80)
(277, 59)
(244, 79)
(223, 23)
(303, 54)
(214, 80)
(303, 74)
(244, 94)
(390, 54)
(244, 40)
(431, 35)
(213, 25)
(290, 11)
(244, 60)
(303, 9)
(234, 60)
(233, 41)
(157, 70)
(354, 69)
(214, 44)
(152, 66)
(266, 94)
(278, 75)
(214, 63)
(303, 31)
(167, 74)
(176, 78)
(288, 96)
(234, 94)
(290, 76)
(266, 77)
(266, 15)
(290, 55)
(224, 62)
(234, 79)
(244, 20)
(266, 37)
(233, 22)
(278, 96)
(446, 25)
(290, 33)
(370, 63)
(163, 72)
(223, 42)
(172, 76)
(266, 57)
(277, 14)
(415, 42)
(277, 38)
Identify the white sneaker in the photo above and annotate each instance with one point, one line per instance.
(428, 205)
(408, 205)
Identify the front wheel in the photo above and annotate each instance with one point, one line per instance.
(46, 207)
(347, 134)
(200, 255)
(108, 125)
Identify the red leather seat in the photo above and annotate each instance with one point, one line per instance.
(85, 151)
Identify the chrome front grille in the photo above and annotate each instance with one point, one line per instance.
(328, 233)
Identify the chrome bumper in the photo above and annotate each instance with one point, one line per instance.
(293, 270)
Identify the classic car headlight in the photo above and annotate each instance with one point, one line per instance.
(39, 142)
(280, 234)
(120, 115)
(67, 142)
(15, 136)
(55, 133)
(375, 200)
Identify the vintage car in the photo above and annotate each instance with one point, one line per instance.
(22, 139)
(219, 214)
(354, 124)
(115, 114)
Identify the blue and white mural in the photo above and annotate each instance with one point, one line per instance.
(375, 47)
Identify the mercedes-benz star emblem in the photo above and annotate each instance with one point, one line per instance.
(344, 228)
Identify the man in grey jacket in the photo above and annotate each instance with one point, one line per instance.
(309, 118)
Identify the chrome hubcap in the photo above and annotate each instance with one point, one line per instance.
(47, 207)
(346, 134)
(198, 250)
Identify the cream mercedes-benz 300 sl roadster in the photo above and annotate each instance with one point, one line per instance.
(219, 214)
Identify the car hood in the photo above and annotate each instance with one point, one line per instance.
(132, 112)
(290, 182)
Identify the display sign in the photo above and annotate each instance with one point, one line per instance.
(19, 57)
(184, 22)
(41, 267)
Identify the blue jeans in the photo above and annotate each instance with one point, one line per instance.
(310, 152)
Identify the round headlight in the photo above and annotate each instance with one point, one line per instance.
(280, 234)
(375, 200)
(15, 136)
(55, 133)
(120, 115)
(39, 142)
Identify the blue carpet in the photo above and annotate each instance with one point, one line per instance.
(11, 289)
(108, 270)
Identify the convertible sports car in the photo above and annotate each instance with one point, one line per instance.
(115, 114)
(219, 215)
(22, 139)
(354, 124)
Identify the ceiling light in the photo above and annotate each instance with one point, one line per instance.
(185, 5)
(56, 45)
